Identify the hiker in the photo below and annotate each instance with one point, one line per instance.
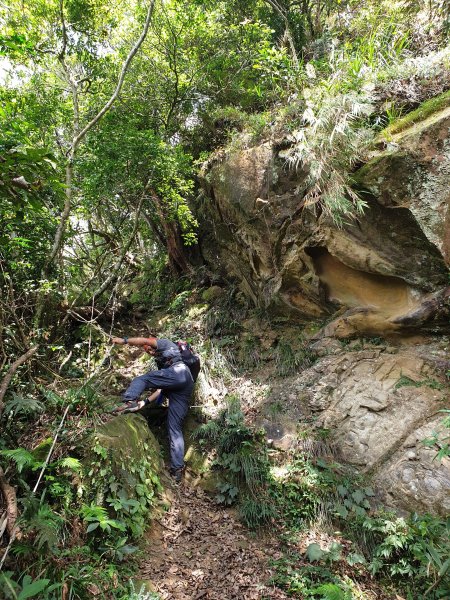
(173, 377)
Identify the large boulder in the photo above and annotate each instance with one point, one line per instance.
(123, 462)
(388, 267)
(413, 172)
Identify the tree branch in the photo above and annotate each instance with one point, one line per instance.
(81, 134)
(116, 92)
(11, 371)
(125, 249)
(287, 30)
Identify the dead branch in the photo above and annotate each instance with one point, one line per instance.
(11, 371)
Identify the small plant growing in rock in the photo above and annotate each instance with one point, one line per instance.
(442, 441)
(405, 381)
(289, 360)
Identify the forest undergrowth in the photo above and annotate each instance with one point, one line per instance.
(329, 537)
(108, 112)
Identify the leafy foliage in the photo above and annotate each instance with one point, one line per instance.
(23, 405)
(43, 523)
(442, 440)
(241, 455)
(418, 546)
(129, 504)
(330, 141)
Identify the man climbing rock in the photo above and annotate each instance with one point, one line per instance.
(175, 380)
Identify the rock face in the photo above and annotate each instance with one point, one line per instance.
(383, 274)
(379, 407)
(132, 453)
(387, 269)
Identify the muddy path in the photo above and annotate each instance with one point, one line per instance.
(199, 550)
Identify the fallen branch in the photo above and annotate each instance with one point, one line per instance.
(11, 371)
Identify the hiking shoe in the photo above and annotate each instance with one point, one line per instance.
(177, 474)
(133, 406)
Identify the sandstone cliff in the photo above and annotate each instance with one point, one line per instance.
(383, 274)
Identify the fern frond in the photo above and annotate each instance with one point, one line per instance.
(208, 431)
(23, 405)
(71, 463)
(21, 457)
(40, 520)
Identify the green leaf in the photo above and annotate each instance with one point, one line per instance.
(354, 559)
(30, 590)
(314, 552)
(71, 463)
(21, 457)
(342, 511)
(443, 570)
(342, 490)
(330, 591)
(358, 496)
(92, 527)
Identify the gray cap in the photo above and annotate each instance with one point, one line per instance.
(167, 349)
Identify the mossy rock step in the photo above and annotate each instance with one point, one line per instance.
(199, 471)
(129, 444)
(427, 111)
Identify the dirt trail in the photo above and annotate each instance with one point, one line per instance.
(198, 550)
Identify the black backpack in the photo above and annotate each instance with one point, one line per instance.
(189, 358)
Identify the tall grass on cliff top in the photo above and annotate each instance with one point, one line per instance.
(329, 144)
(340, 110)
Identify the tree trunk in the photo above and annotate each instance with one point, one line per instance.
(174, 244)
(9, 496)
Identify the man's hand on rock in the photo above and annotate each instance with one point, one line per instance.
(118, 340)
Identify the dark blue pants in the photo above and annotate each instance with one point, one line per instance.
(175, 418)
(177, 384)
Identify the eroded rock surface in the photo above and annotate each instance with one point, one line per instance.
(379, 406)
(388, 268)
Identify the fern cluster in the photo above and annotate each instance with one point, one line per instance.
(241, 455)
(329, 142)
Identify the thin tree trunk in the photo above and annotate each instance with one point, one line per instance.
(174, 244)
(78, 138)
(157, 233)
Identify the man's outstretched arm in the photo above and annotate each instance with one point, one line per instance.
(135, 341)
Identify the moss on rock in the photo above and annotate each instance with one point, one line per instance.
(121, 472)
(128, 437)
(420, 114)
